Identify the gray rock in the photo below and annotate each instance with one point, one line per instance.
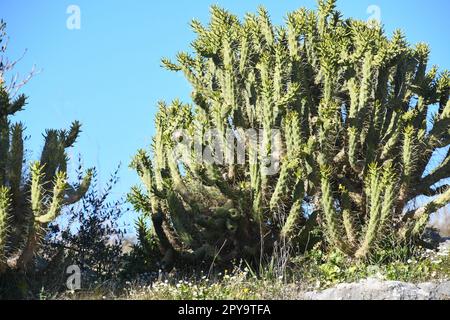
(375, 289)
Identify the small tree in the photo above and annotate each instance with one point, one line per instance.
(89, 235)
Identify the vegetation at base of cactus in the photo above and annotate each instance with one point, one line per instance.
(352, 106)
(30, 200)
(145, 256)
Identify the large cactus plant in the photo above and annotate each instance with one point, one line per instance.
(370, 122)
(30, 198)
(354, 151)
(223, 211)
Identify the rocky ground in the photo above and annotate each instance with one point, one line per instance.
(375, 289)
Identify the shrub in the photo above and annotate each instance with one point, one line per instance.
(88, 235)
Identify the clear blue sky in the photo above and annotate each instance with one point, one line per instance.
(108, 75)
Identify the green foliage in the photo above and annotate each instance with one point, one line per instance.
(145, 256)
(29, 199)
(324, 270)
(353, 154)
(88, 234)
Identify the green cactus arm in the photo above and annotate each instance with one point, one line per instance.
(37, 190)
(73, 195)
(176, 178)
(389, 182)
(436, 191)
(325, 9)
(266, 26)
(143, 233)
(347, 216)
(353, 144)
(267, 92)
(422, 215)
(420, 117)
(257, 205)
(444, 112)
(439, 173)
(354, 124)
(290, 96)
(178, 183)
(332, 221)
(158, 145)
(390, 145)
(229, 89)
(255, 177)
(143, 165)
(281, 68)
(180, 219)
(203, 44)
(57, 200)
(140, 200)
(5, 207)
(16, 159)
(433, 206)
(169, 65)
(17, 105)
(4, 148)
(374, 133)
(184, 62)
(443, 92)
(374, 190)
(281, 187)
(244, 53)
(295, 214)
(409, 154)
(295, 26)
(72, 135)
(439, 134)
(422, 53)
(53, 156)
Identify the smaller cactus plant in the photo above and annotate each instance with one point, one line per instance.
(30, 199)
